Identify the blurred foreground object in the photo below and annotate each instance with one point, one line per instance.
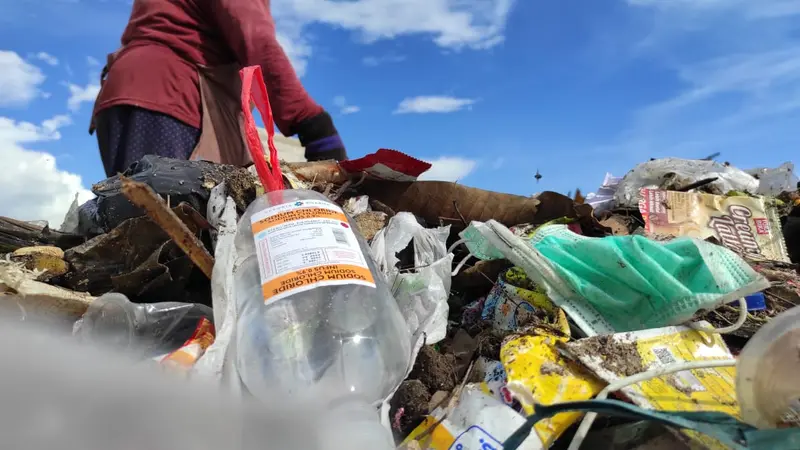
(767, 384)
(58, 394)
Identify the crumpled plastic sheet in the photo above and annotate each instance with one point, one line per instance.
(603, 199)
(775, 181)
(421, 294)
(671, 173)
(219, 360)
(177, 180)
(151, 329)
(138, 259)
(71, 220)
(357, 205)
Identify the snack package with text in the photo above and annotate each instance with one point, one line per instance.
(746, 225)
(613, 357)
(538, 373)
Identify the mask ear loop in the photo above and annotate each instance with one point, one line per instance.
(730, 329)
(463, 261)
(456, 244)
(461, 264)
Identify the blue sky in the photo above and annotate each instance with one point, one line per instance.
(489, 90)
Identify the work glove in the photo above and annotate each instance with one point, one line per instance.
(320, 138)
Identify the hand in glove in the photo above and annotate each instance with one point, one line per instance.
(320, 138)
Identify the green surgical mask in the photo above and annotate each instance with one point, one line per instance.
(621, 283)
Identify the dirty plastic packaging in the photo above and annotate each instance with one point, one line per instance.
(316, 318)
(147, 329)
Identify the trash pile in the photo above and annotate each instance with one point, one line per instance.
(432, 315)
(490, 320)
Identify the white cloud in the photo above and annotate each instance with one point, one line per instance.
(449, 168)
(345, 108)
(374, 61)
(81, 94)
(352, 109)
(296, 47)
(19, 80)
(33, 187)
(92, 61)
(762, 9)
(51, 126)
(450, 24)
(432, 104)
(46, 58)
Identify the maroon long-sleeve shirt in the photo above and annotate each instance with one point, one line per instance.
(166, 39)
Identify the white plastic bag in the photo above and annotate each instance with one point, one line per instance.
(422, 294)
(357, 205)
(478, 422)
(218, 361)
(603, 199)
(655, 174)
(775, 181)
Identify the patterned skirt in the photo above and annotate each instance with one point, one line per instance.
(126, 133)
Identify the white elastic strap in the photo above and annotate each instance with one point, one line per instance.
(586, 424)
(455, 244)
(358, 183)
(461, 264)
(739, 322)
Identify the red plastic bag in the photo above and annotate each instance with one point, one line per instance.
(254, 89)
(387, 164)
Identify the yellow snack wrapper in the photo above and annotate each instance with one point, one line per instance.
(746, 225)
(617, 356)
(537, 372)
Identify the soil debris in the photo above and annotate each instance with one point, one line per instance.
(241, 187)
(409, 407)
(620, 225)
(782, 295)
(435, 370)
(621, 358)
(549, 368)
(526, 318)
(489, 343)
(369, 223)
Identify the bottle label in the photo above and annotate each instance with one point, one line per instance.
(304, 245)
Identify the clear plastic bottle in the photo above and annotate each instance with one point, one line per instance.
(766, 383)
(340, 347)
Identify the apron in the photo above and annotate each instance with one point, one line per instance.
(221, 133)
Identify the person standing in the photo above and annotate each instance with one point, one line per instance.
(173, 87)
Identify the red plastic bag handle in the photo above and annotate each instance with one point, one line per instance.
(253, 88)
